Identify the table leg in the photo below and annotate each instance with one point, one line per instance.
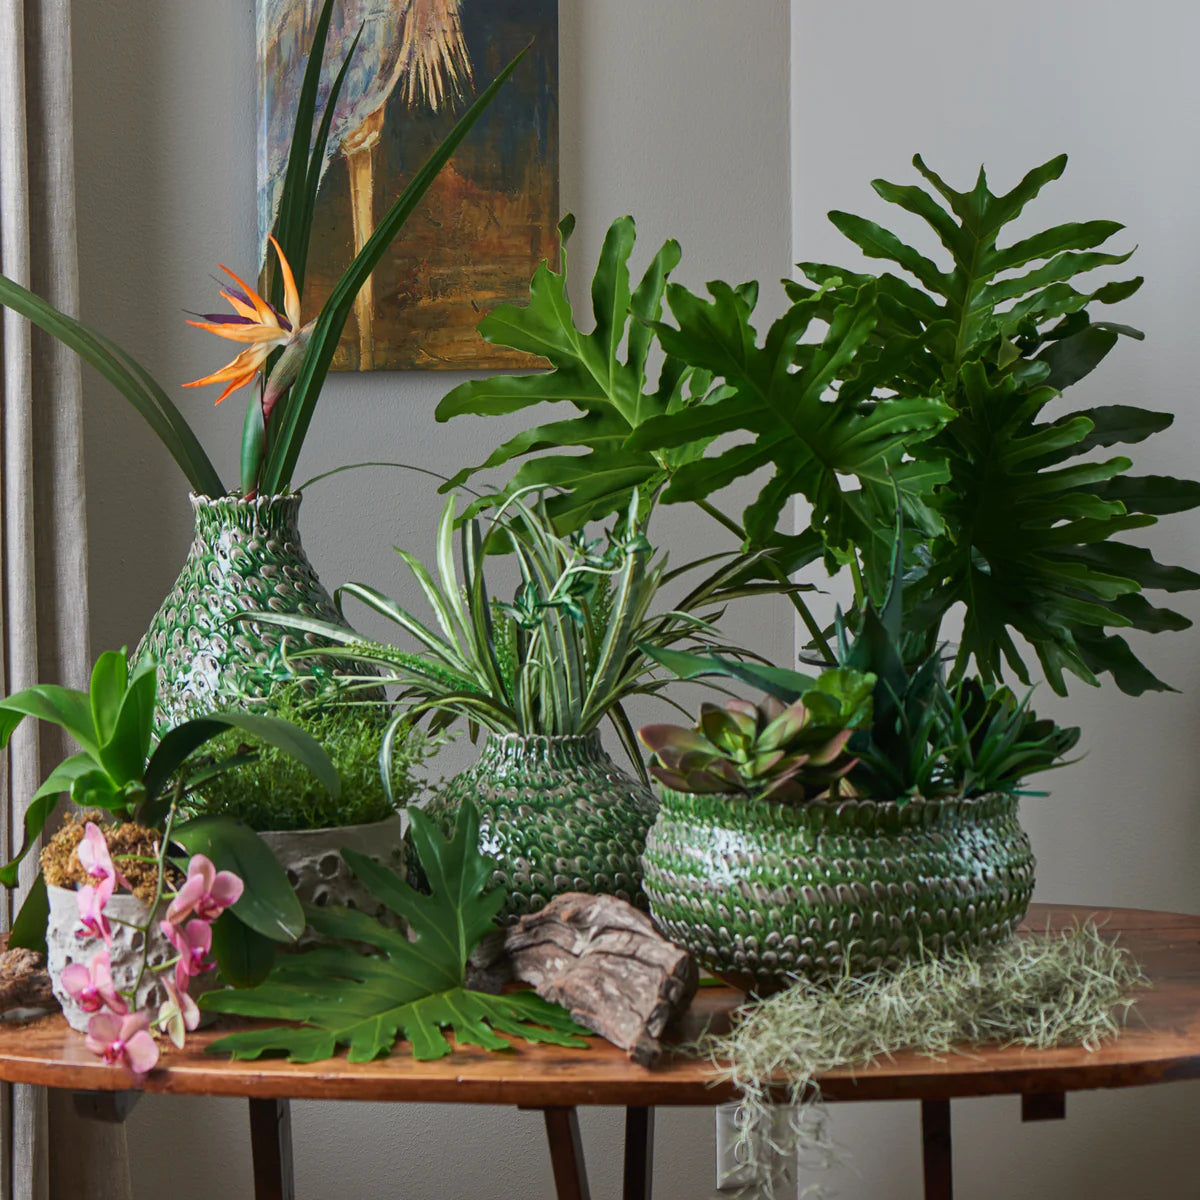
(936, 1150)
(639, 1153)
(271, 1147)
(566, 1153)
(110, 1107)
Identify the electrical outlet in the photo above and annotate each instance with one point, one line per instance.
(732, 1173)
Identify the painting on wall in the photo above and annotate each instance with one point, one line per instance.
(488, 219)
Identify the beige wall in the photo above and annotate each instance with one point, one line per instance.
(1013, 84)
(675, 111)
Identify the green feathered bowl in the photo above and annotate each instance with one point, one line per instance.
(759, 892)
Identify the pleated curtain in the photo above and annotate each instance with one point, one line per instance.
(45, 1149)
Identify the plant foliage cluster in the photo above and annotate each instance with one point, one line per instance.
(943, 379)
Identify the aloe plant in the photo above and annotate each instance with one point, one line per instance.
(785, 754)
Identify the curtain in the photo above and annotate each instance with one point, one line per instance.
(46, 1149)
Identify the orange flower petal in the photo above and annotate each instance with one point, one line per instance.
(244, 333)
(263, 310)
(291, 297)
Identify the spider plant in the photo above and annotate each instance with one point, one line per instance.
(565, 652)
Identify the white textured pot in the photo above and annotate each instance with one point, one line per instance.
(316, 869)
(125, 953)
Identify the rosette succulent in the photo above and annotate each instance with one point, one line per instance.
(769, 751)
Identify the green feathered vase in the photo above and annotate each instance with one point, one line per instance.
(245, 556)
(760, 891)
(557, 815)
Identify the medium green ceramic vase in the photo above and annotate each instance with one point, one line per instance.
(245, 556)
(761, 891)
(557, 815)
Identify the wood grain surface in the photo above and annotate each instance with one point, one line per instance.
(1160, 1044)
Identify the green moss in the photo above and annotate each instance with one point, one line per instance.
(1055, 989)
(276, 792)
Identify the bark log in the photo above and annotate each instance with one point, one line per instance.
(604, 961)
(24, 980)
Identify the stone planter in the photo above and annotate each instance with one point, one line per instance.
(761, 891)
(245, 556)
(557, 815)
(125, 954)
(316, 869)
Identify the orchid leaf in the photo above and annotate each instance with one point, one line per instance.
(268, 905)
(411, 989)
(29, 926)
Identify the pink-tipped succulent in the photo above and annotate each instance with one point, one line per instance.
(766, 752)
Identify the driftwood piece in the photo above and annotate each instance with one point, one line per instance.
(24, 980)
(604, 961)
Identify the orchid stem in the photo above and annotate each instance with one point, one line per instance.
(160, 879)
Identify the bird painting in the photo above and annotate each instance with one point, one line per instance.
(413, 66)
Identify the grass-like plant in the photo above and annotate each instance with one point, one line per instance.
(270, 793)
(562, 654)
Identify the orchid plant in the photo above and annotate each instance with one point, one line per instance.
(117, 1031)
(289, 358)
(115, 770)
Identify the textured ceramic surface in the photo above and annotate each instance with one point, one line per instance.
(316, 869)
(245, 556)
(769, 890)
(558, 815)
(125, 954)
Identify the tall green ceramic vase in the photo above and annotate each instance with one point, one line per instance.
(761, 891)
(245, 556)
(557, 815)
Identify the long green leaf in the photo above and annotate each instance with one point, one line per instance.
(284, 448)
(128, 378)
(268, 905)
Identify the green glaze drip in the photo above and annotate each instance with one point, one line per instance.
(557, 815)
(761, 891)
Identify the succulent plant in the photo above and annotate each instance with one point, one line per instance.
(769, 751)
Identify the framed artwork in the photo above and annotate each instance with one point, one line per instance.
(489, 218)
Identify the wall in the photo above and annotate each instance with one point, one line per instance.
(1012, 85)
(675, 111)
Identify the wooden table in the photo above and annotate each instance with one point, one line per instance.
(1160, 1045)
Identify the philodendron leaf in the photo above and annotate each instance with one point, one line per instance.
(268, 905)
(405, 989)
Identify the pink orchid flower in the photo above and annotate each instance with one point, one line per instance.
(193, 941)
(178, 1013)
(123, 1040)
(95, 858)
(91, 987)
(207, 892)
(91, 900)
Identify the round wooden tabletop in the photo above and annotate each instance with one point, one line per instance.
(1161, 1043)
